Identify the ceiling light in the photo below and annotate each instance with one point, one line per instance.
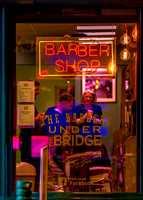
(97, 38)
(95, 27)
(99, 33)
(125, 54)
(125, 39)
(96, 42)
(134, 33)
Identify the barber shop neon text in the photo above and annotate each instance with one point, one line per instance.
(78, 50)
(62, 58)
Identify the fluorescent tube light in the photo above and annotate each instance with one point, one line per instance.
(98, 33)
(96, 27)
(108, 42)
(97, 38)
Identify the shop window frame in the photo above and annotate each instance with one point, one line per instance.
(9, 18)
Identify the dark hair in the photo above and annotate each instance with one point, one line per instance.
(66, 97)
(71, 90)
(37, 83)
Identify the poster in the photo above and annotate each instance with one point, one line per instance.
(26, 115)
(25, 91)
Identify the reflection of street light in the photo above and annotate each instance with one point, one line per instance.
(125, 54)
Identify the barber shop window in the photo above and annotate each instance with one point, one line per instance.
(76, 107)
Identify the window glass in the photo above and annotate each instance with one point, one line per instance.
(76, 98)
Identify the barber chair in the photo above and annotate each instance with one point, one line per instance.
(77, 168)
(79, 159)
(100, 179)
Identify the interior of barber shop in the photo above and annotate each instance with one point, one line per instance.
(76, 107)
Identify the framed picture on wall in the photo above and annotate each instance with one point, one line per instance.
(103, 86)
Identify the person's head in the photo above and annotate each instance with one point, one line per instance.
(66, 101)
(71, 90)
(37, 85)
(88, 97)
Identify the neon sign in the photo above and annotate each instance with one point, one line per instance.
(63, 57)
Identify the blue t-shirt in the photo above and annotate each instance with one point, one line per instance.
(89, 127)
(56, 122)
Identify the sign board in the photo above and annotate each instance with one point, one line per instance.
(64, 57)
